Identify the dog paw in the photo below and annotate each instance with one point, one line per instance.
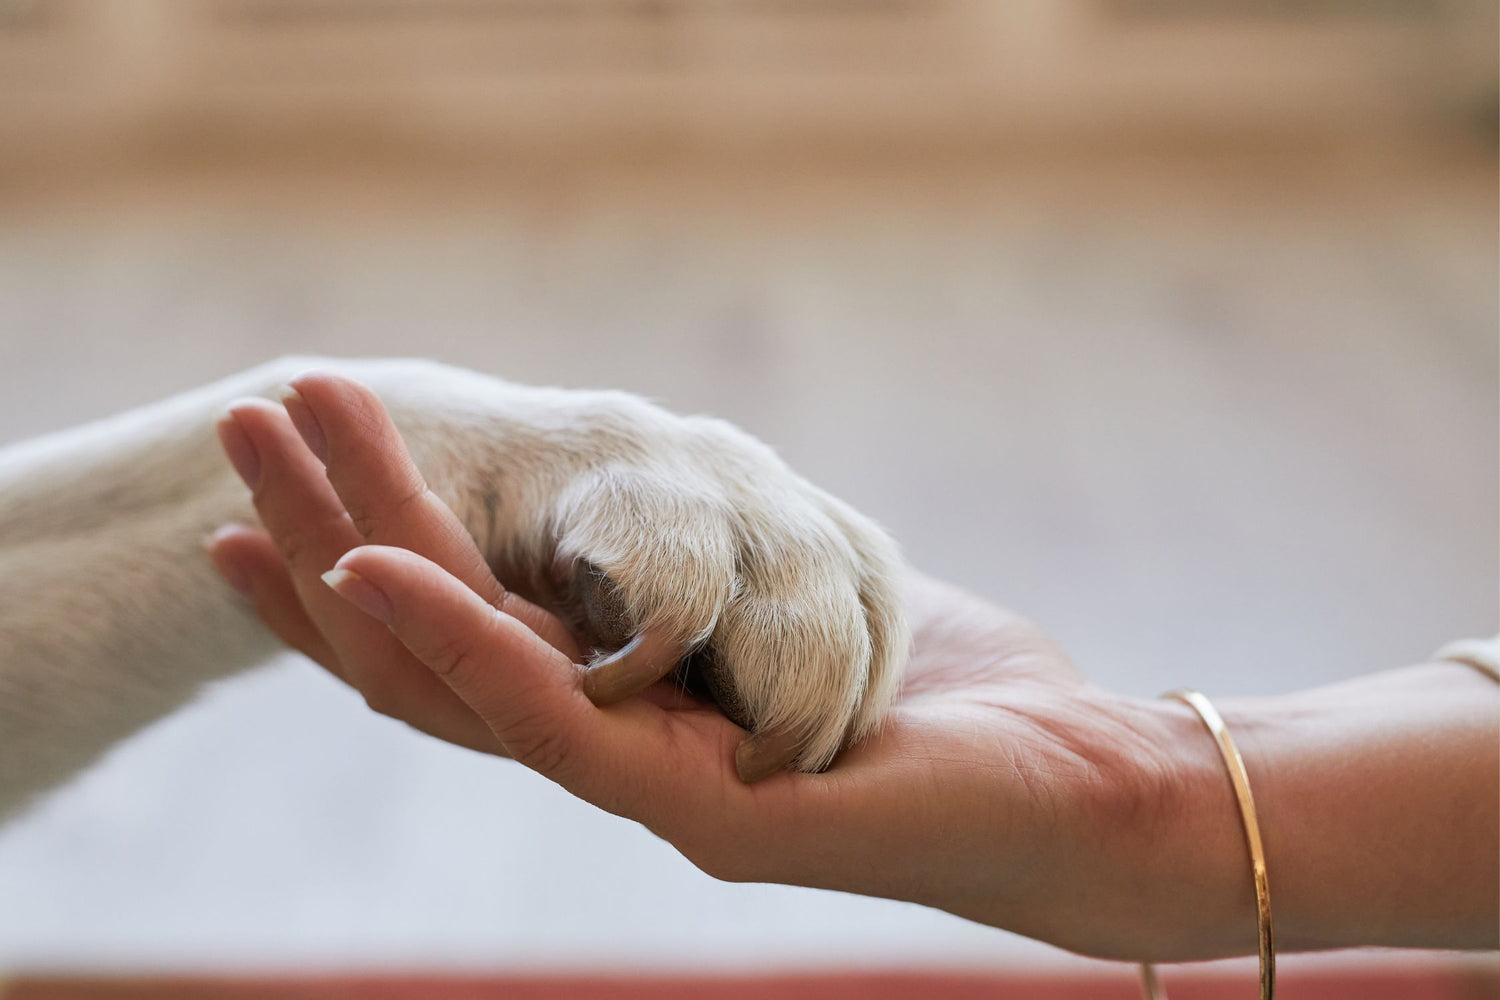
(684, 546)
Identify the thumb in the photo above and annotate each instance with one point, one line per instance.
(528, 693)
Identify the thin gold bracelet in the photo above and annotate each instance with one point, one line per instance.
(1235, 764)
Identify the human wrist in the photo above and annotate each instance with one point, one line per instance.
(1153, 864)
(1178, 845)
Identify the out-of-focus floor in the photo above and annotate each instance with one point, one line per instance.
(1409, 978)
(1226, 419)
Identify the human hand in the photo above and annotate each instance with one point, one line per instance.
(1001, 787)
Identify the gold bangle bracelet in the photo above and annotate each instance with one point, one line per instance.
(1235, 765)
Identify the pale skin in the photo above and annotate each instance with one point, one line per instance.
(1003, 788)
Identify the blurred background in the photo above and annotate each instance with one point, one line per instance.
(1170, 323)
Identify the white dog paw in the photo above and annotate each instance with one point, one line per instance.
(693, 547)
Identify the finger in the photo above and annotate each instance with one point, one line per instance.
(527, 692)
(295, 503)
(311, 529)
(347, 426)
(247, 558)
(671, 771)
(305, 519)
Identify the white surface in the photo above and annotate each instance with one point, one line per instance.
(1201, 428)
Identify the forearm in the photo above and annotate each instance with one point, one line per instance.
(1378, 807)
(1379, 804)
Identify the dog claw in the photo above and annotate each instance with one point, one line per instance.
(765, 753)
(632, 668)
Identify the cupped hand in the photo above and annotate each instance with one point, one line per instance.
(1002, 787)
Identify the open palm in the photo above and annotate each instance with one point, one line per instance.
(994, 790)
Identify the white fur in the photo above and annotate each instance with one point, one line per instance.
(111, 616)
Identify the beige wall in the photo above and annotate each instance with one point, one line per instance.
(100, 71)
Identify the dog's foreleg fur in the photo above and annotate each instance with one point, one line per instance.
(110, 612)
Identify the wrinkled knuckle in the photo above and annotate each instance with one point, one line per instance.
(371, 519)
(296, 546)
(366, 518)
(453, 657)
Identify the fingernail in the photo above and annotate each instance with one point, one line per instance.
(765, 753)
(361, 593)
(240, 450)
(306, 423)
